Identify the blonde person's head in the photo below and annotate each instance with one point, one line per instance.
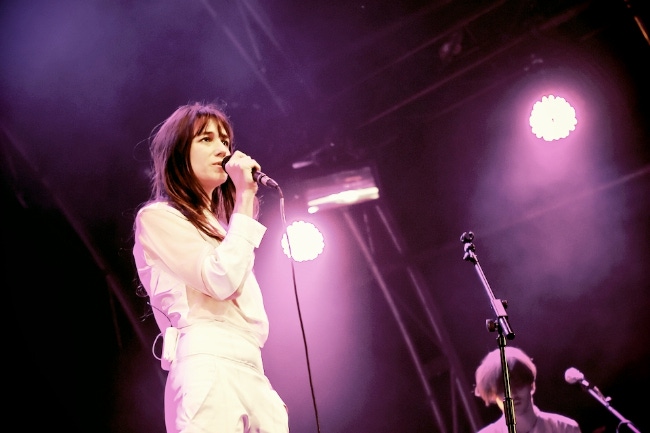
(489, 374)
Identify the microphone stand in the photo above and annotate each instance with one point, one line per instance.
(499, 323)
(595, 392)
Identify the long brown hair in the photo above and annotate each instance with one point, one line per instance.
(172, 178)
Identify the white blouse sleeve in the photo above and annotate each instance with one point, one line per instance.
(169, 240)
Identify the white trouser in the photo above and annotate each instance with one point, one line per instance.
(216, 384)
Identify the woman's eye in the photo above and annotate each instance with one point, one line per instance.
(225, 143)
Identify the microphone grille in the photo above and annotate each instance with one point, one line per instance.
(573, 375)
(225, 160)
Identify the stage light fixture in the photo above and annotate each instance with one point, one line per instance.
(344, 188)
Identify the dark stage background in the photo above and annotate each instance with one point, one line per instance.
(435, 97)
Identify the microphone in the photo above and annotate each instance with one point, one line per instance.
(258, 176)
(573, 375)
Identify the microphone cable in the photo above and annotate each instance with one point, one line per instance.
(295, 291)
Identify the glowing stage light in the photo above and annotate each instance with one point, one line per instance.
(306, 241)
(552, 118)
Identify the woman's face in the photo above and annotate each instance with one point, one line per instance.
(206, 153)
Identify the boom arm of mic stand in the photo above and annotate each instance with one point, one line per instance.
(498, 306)
(595, 392)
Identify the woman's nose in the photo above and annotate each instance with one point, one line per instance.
(222, 150)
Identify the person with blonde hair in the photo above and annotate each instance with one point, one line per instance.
(523, 375)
